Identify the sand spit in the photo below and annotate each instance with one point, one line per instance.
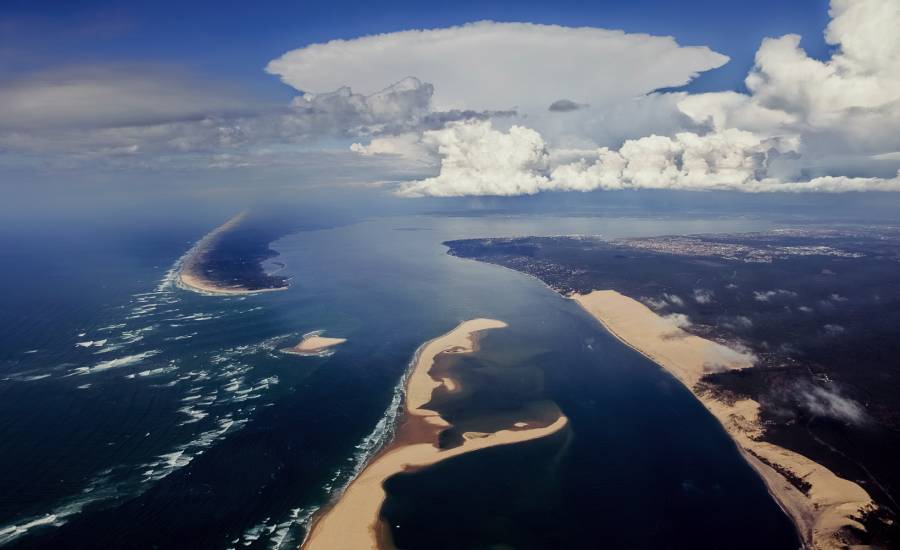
(353, 521)
(191, 275)
(314, 344)
(820, 513)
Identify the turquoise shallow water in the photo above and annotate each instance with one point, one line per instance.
(186, 427)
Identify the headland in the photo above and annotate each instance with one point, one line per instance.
(206, 267)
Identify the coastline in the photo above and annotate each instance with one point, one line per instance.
(827, 505)
(190, 275)
(353, 521)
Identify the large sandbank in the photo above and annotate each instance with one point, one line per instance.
(829, 505)
(353, 521)
(314, 344)
(191, 275)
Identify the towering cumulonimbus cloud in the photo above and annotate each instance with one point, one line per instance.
(800, 121)
(502, 109)
(491, 66)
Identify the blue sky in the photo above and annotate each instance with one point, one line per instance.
(764, 96)
(234, 40)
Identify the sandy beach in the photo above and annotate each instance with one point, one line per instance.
(820, 513)
(353, 520)
(313, 344)
(191, 276)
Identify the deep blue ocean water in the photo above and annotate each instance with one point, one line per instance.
(134, 414)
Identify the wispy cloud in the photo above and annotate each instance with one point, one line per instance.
(703, 296)
(769, 295)
(830, 403)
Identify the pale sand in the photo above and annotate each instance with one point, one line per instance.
(420, 384)
(314, 344)
(450, 385)
(832, 503)
(190, 273)
(353, 522)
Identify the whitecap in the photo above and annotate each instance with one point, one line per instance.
(183, 454)
(194, 415)
(91, 343)
(155, 372)
(120, 362)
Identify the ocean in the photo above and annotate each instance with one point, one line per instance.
(135, 414)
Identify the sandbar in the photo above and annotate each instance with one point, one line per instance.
(829, 506)
(353, 521)
(313, 344)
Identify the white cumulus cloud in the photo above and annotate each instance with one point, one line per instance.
(476, 159)
(806, 126)
(848, 103)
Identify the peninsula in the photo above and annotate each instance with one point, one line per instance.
(781, 335)
(209, 268)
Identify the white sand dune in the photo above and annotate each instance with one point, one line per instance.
(831, 504)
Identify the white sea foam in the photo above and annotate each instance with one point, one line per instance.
(370, 445)
(234, 385)
(34, 377)
(184, 454)
(105, 350)
(173, 366)
(12, 532)
(284, 536)
(91, 343)
(182, 337)
(98, 489)
(25, 376)
(266, 383)
(167, 283)
(200, 316)
(256, 532)
(120, 362)
(136, 335)
(143, 309)
(194, 415)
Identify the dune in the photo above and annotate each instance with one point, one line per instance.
(821, 513)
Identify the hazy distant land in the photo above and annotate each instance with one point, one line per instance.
(814, 310)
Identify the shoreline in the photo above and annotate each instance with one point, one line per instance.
(189, 275)
(822, 511)
(353, 520)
